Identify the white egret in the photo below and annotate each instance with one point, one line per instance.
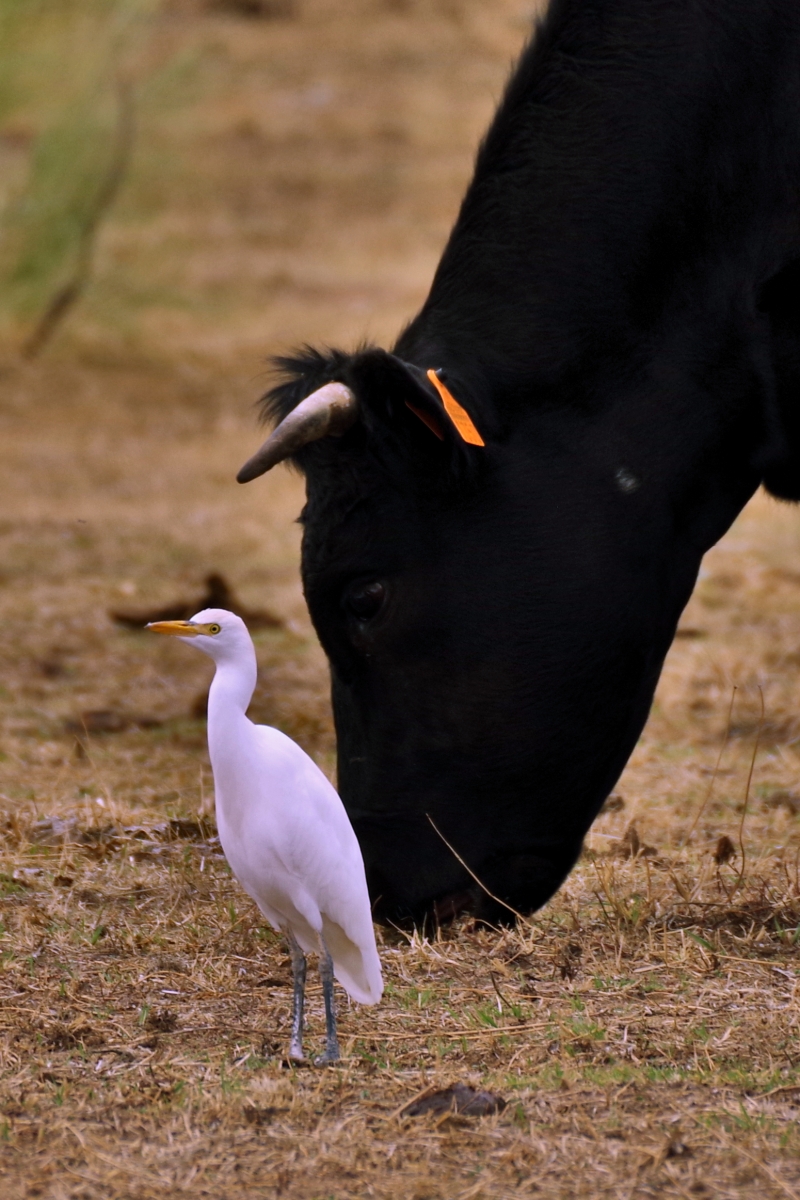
(284, 830)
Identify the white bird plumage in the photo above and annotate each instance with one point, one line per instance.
(284, 829)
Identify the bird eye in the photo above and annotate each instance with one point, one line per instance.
(365, 600)
(214, 628)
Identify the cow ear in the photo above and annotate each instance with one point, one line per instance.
(395, 393)
(407, 394)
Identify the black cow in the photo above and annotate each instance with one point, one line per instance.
(617, 317)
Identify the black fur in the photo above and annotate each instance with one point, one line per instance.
(618, 309)
(301, 374)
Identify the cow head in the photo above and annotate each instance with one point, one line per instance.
(495, 615)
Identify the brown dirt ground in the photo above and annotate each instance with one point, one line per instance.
(295, 178)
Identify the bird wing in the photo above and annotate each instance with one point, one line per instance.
(318, 848)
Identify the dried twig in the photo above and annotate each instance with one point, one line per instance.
(469, 871)
(71, 291)
(738, 883)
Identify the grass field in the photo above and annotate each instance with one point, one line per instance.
(294, 177)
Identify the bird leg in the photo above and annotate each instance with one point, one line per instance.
(299, 984)
(326, 975)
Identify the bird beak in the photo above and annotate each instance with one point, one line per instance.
(175, 628)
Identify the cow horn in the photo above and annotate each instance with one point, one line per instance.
(332, 409)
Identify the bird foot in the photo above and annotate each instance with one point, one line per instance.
(330, 1056)
(296, 1054)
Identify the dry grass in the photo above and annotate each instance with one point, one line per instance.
(642, 1031)
(295, 177)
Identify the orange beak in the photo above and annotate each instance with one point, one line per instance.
(175, 628)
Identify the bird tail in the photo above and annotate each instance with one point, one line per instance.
(357, 968)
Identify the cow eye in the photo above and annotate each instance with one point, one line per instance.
(365, 600)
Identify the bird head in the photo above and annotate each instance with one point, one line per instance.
(219, 633)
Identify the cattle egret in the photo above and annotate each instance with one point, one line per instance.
(284, 830)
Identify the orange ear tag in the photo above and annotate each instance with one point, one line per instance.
(458, 415)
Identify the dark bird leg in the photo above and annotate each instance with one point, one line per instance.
(299, 985)
(326, 975)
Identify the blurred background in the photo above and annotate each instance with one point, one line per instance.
(255, 167)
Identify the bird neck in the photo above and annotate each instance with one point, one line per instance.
(232, 687)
